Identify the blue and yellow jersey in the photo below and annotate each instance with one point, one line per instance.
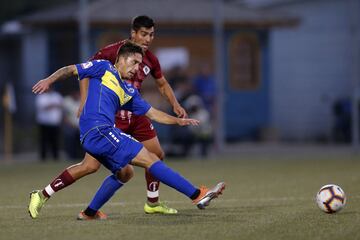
(107, 94)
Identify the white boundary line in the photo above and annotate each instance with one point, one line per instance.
(124, 204)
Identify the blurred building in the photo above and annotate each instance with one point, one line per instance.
(312, 66)
(286, 61)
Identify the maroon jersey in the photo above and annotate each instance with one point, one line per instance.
(149, 65)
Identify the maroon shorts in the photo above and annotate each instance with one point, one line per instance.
(139, 127)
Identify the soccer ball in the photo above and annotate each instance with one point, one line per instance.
(331, 198)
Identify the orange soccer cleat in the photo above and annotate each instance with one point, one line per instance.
(206, 195)
(98, 216)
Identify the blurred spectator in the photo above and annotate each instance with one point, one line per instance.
(183, 90)
(72, 146)
(202, 134)
(181, 137)
(49, 114)
(205, 86)
(186, 138)
(342, 125)
(177, 76)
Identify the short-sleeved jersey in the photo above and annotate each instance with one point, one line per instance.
(107, 94)
(150, 64)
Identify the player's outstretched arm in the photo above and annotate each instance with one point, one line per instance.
(63, 73)
(161, 117)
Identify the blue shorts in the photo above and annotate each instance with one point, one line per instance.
(110, 146)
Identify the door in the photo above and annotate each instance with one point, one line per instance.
(247, 86)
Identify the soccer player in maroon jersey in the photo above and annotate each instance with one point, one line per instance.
(140, 127)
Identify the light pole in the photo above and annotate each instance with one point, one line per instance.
(355, 76)
(218, 22)
(83, 30)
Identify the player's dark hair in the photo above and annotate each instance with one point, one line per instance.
(142, 21)
(129, 48)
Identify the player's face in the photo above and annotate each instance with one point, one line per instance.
(128, 66)
(143, 37)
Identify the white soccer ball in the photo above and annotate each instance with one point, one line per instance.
(331, 198)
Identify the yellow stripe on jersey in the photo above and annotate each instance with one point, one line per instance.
(109, 80)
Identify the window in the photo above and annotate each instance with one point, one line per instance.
(170, 57)
(244, 52)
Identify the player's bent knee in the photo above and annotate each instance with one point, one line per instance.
(151, 160)
(89, 167)
(161, 155)
(92, 168)
(90, 164)
(144, 158)
(125, 174)
(153, 145)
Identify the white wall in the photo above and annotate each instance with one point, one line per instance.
(311, 68)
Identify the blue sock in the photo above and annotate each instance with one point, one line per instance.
(107, 189)
(171, 178)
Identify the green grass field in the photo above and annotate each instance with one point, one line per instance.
(264, 199)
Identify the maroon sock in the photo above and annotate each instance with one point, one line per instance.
(152, 185)
(60, 182)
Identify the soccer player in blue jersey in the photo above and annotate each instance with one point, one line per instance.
(107, 94)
